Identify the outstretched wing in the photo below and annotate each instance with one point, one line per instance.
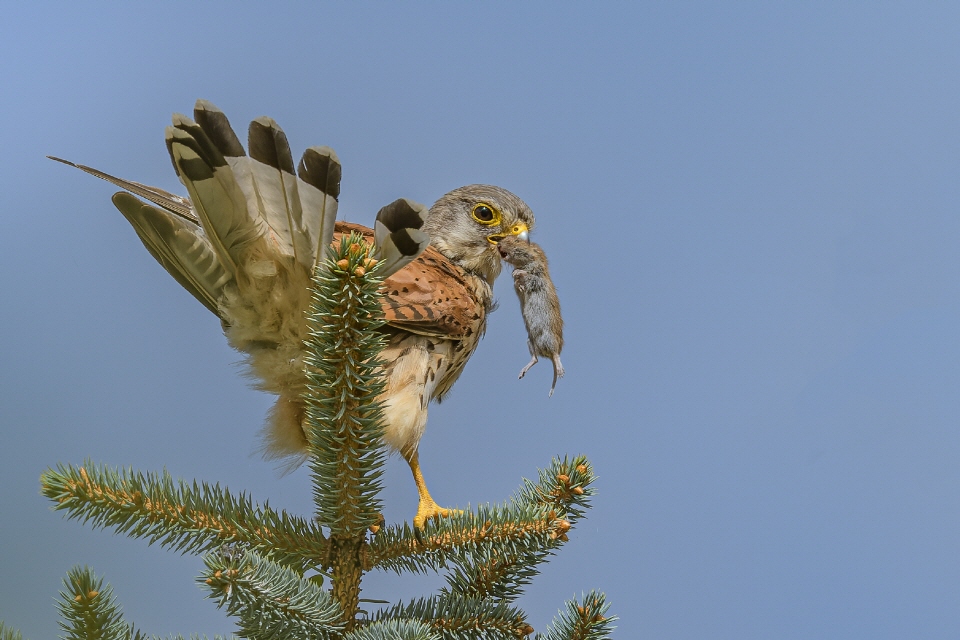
(246, 210)
(172, 234)
(179, 246)
(237, 203)
(256, 200)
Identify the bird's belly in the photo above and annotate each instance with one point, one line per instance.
(416, 366)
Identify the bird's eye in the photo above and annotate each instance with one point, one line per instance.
(485, 214)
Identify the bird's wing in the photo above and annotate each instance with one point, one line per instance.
(239, 201)
(297, 212)
(236, 201)
(398, 234)
(179, 246)
(172, 234)
(164, 199)
(320, 169)
(214, 192)
(430, 296)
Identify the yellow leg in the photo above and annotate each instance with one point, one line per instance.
(427, 508)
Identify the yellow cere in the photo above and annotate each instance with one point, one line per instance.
(520, 230)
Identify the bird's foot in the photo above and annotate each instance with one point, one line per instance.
(429, 509)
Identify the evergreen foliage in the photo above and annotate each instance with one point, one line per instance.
(268, 569)
(344, 416)
(270, 600)
(584, 620)
(190, 518)
(6, 633)
(88, 610)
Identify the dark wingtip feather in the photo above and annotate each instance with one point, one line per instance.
(406, 243)
(320, 167)
(195, 169)
(401, 214)
(215, 124)
(168, 138)
(201, 143)
(398, 235)
(268, 144)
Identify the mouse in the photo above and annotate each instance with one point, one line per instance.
(539, 302)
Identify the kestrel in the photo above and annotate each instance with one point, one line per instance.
(247, 239)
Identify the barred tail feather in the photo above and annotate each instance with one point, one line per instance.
(179, 246)
(275, 189)
(215, 124)
(298, 214)
(319, 173)
(216, 196)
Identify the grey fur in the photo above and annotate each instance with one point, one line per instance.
(539, 302)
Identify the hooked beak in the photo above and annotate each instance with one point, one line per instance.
(520, 230)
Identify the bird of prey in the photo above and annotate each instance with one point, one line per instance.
(247, 239)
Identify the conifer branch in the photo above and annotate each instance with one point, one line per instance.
(491, 573)
(137, 635)
(347, 570)
(6, 633)
(581, 621)
(344, 416)
(510, 527)
(500, 572)
(563, 487)
(256, 571)
(459, 618)
(88, 609)
(271, 601)
(394, 630)
(535, 521)
(189, 518)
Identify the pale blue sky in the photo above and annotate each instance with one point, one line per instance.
(751, 213)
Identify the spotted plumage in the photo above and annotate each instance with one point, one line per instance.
(246, 240)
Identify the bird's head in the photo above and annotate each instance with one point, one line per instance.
(467, 224)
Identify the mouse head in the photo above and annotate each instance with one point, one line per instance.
(519, 252)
